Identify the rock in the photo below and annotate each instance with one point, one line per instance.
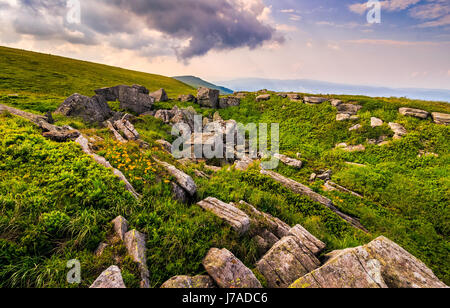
(313, 177)
(135, 242)
(120, 227)
(314, 245)
(314, 100)
(160, 95)
(356, 127)
(375, 122)
(109, 279)
(233, 216)
(265, 241)
(326, 176)
(208, 97)
(184, 180)
(167, 146)
(336, 102)
(289, 161)
(116, 134)
(229, 101)
(333, 186)
(189, 98)
(398, 130)
(228, 271)
(264, 97)
(380, 264)
(349, 109)
(186, 282)
(294, 96)
(217, 117)
(378, 141)
(177, 115)
(100, 249)
(135, 98)
(355, 164)
(441, 118)
(179, 193)
(90, 109)
(306, 191)
(240, 95)
(417, 113)
(285, 262)
(62, 135)
(127, 129)
(342, 117)
(244, 163)
(355, 148)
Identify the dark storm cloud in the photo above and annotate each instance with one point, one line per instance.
(207, 24)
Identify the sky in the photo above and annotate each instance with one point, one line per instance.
(218, 40)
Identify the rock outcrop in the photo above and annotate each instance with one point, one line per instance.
(264, 97)
(187, 282)
(126, 128)
(109, 279)
(135, 242)
(380, 264)
(177, 115)
(399, 130)
(349, 109)
(441, 118)
(314, 100)
(236, 218)
(184, 180)
(336, 102)
(208, 97)
(229, 101)
(91, 109)
(160, 95)
(417, 113)
(228, 271)
(189, 98)
(291, 162)
(135, 98)
(314, 245)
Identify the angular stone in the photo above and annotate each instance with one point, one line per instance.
(124, 126)
(90, 109)
(229, 101)
(375, 122)
(160, 95)
(356, 127)
(179, 193)
(294, 96)
(208, 97)
(264, 97)
(184, 180)
(336, 102)
(120, 227)
(233, 216)
(417, 113)
(289, 161)
(398, 130)
(313, 244)
(349, 109)
(314, 100)
(109, 279)
(100, 249)
(441, 118)
(187, 98)
(326, 176)
(228, 271)
(342, 117)
(167, 146)
(186, 282)
(244, 163)
(135, 242)
(285, 262)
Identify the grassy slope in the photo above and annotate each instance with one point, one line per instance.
(197, 82)
(45, 188)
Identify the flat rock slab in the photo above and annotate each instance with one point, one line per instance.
(417, 113)
(184, 180)
(314, 100)
(228, 271)
(441, 118)
(233, 216)
(376, 122)
(398, 130)
(135, 242)
(349, 109)
(187, 282)
(313, 244)
(291, 162)
(285, 262)
(264, 97)
(109, 279)
(380, 264)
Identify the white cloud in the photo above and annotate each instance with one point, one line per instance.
(388, 5)
(444, 21)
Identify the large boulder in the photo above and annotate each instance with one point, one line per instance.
(187, 282)
(285, 262)
(208, 97)
(441, 118)
(303, 236)
(349, 109)
(228, 271)
(187, 98)
(135, 98)
(109, 279)
(229, 101)
(90, 109)
(264, 97)
(380, 264)
(233, 216)
(160, 95)
(417, 113)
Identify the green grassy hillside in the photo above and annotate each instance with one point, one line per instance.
(56, 204)
(197, 82)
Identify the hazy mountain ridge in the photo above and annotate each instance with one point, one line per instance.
(198, 82)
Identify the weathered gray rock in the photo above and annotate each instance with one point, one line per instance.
(229, 101)
(208, 97)
(336, 102)
(90, 109)
(349, 109)
(314, 100)
(120, 227)
(289, 161)
(62, 135)
(417, 113)
(184, 180)
(228, 271)
(244, 163)
(356, 127)
(294, 97)
(167, 146)
(179, 193)
(398, 130)
(109, 279)
(135, 98)
(186, 282)
(160, 95)
(351, 148)
(331, 186)
(380, 264)
(342, 117)
(264, 97)
(375, 122)
(116, 134)
(189, 98)
(177, 115)
(285, 262)
(325, 176)
(313, 244)
(264, 241)
(233, 216)
(101, 249)
(441, 118)
(240, 95)
(135, 242)
(126, 128)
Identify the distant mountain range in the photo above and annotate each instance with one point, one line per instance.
(321, 87)
(198, 82)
